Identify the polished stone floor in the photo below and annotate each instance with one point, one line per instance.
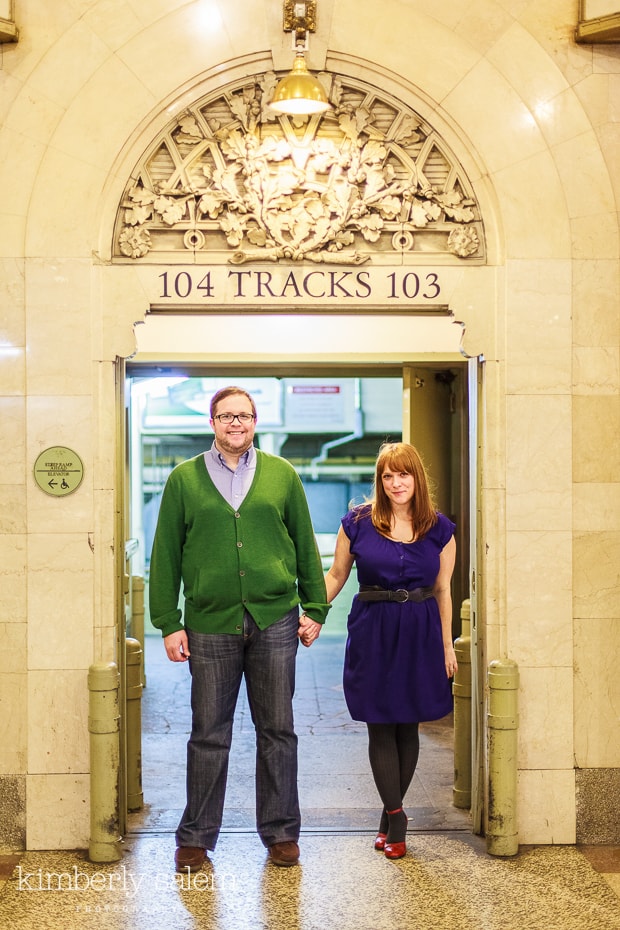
(446, 880)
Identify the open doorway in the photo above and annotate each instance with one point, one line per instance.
(330, 426)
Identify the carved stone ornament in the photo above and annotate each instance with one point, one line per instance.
(229, 181)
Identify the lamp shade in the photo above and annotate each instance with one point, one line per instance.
(299, 93)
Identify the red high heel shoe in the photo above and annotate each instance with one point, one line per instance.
(380, 839)
(395, 850)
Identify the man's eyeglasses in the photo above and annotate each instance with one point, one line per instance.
(227, 418)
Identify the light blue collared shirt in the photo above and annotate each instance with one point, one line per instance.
(232, 485)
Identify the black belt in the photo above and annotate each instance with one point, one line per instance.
(375, 593)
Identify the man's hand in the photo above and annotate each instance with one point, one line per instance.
(308, 630)
(176, 645)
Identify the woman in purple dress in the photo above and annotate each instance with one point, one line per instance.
(399, 655)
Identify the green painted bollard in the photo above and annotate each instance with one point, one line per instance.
(135, 798)
(461, 689)
(503, 721)
(104, 729)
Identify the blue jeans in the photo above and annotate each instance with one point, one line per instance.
(217, 663)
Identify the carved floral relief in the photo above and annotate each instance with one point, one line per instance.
(231, 181)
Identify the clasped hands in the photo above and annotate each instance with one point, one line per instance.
(308, 630)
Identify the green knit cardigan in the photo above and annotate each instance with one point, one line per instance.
(262, 558)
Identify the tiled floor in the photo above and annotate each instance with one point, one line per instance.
(447, 878)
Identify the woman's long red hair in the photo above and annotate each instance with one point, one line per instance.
(402, 457)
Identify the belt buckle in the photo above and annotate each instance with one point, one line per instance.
(401, 595)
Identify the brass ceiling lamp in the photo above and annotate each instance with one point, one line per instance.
(299, 93)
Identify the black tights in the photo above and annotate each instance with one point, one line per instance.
(393, 750)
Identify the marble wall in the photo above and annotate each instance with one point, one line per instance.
(535, 120)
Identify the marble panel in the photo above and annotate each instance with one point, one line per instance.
(541, 231)
(12, 378)
(596, 582)
(605, 59)
(14, 639)
(61, 421)
(596, 507)
(95, 127)
(12, 417)
(539, 599)
(520, 59)
(596, 302)
(154, 54)
(125, 300)
(12, 300)
(614, 98)
(58, 740)
(9, 90)
(12, 234)
(155, 9)
(546, 806)
(58, 293)
(431, 57)
(62, 216)
(478, 303)
(254, 28)
(116, 23)
(538, 457)
(585, 175)
(609, 138)
(13, 721)
(596, 370)
(12, 510)
(13, 577)
(60, 601)
(58, 811)
(104, 434)
(561, 117)
(480, 24)
(596, 95)
(596, 438)
(546, 716)
(597, 693)
(550, 23)
(503, 129)
(538, 327)
(75, 54)
(20, 158)
(45, 27)
(33, 116)
(595, 236)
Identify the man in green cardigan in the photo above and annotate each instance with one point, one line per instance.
(234, 530)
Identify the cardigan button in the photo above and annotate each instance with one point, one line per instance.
(239, 544)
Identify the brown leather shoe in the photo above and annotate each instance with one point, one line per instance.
(189, 857)
(286, 853)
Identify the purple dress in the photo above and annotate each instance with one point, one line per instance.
(394, 668)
